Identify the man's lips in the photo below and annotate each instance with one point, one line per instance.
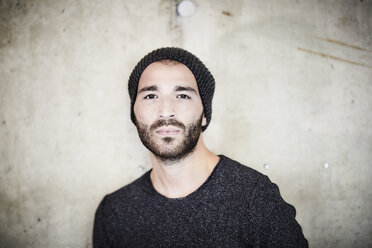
(167, 131)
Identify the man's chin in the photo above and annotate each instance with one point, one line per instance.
(169, 144)
(168, 140)
(171, 157)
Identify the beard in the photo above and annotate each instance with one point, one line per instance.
(169, 149)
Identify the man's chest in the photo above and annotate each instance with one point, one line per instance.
(192, 224)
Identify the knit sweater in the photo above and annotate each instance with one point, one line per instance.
(235, 207)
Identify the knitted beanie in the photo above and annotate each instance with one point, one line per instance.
(204, 78)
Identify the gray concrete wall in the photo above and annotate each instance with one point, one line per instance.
(294, 87)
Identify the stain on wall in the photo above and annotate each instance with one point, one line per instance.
(324, 55)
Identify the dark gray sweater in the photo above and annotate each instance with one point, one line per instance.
(236, 207)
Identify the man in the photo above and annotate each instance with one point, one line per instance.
(191, 197)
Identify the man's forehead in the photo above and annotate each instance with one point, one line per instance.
(166, 64)
(161, 74)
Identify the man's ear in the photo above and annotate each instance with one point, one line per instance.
(204, 121)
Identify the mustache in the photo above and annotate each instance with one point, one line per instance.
(167, 122)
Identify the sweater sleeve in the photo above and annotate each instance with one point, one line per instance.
(100, 233)
(273, 220)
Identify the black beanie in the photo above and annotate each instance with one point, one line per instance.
(204, 78)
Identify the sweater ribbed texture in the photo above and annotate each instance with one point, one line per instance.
(235, 207)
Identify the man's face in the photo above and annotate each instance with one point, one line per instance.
(168, 110)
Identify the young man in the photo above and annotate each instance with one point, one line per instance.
(191, 197)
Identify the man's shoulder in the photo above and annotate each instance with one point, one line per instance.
(131, 192)
(241, 174)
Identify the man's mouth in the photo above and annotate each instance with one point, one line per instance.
(167, 131)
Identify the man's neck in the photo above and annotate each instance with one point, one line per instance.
(183, 177)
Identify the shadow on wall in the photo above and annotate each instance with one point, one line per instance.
(11, 213)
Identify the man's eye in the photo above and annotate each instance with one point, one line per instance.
(183, 96)
(150, 96)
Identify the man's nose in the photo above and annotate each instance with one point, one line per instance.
(166, 109)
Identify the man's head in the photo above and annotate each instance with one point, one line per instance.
(204, 79)
(168, 108)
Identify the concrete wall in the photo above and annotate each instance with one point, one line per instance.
(294, 86)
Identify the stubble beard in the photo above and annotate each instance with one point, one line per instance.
(168, 149)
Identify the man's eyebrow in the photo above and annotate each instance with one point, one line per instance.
(149, 88)
(183, 88)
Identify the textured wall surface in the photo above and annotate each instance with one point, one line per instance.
(294, 87)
